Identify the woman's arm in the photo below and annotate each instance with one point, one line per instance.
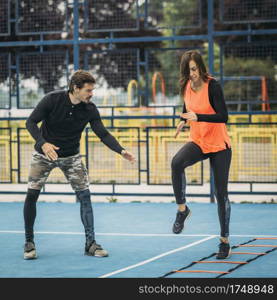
(217, 102)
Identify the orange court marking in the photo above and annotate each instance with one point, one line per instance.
(273, 246)
(255, 253)
(201, 271)
(265, 238)
(221, 262)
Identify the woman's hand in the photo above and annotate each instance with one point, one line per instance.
(179, 128)
(190, 116)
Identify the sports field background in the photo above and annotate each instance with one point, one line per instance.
(133, 48)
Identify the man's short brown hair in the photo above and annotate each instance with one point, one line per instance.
(79, 78)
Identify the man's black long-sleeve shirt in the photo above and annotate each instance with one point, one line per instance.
(64, 122)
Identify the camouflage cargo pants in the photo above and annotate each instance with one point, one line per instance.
(72, 167)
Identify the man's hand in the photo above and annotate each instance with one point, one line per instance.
(179, 128)
(129, 156)
(49, 151)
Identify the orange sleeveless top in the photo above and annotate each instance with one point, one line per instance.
(210, 137)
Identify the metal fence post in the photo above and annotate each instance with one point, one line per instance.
(76, 35)
(211, 71)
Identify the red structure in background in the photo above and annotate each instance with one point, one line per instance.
(265, 98)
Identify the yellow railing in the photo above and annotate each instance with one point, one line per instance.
(254, 155)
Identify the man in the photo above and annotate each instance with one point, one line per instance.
(64, 115)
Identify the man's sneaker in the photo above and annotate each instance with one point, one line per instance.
(178, 225)
(224, 251)
(30, 250)
(94, 249)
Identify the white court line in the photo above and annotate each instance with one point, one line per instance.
(107, 233)
(157, 257)
(136, 234)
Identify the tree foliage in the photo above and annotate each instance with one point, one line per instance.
(166, 17)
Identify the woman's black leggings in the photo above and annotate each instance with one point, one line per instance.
(220, 161)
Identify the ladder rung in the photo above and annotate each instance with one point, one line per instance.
(268, 246)
(254, 253)
(267, 238)
(200, 271)
(220, 262)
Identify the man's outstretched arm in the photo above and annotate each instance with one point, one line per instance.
(109, 140)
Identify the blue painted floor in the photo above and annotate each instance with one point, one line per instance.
(139, 240)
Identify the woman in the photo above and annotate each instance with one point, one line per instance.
(205, 111)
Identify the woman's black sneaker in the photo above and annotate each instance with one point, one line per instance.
(181, 217)
(224, 251)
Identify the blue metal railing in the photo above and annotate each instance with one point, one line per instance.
(79, 37)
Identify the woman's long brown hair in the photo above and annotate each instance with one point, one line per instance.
(185, 71)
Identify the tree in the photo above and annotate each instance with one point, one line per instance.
(48, 16)
(165, 17)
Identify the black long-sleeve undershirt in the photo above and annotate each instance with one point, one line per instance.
(217, 102)
(63, 124)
